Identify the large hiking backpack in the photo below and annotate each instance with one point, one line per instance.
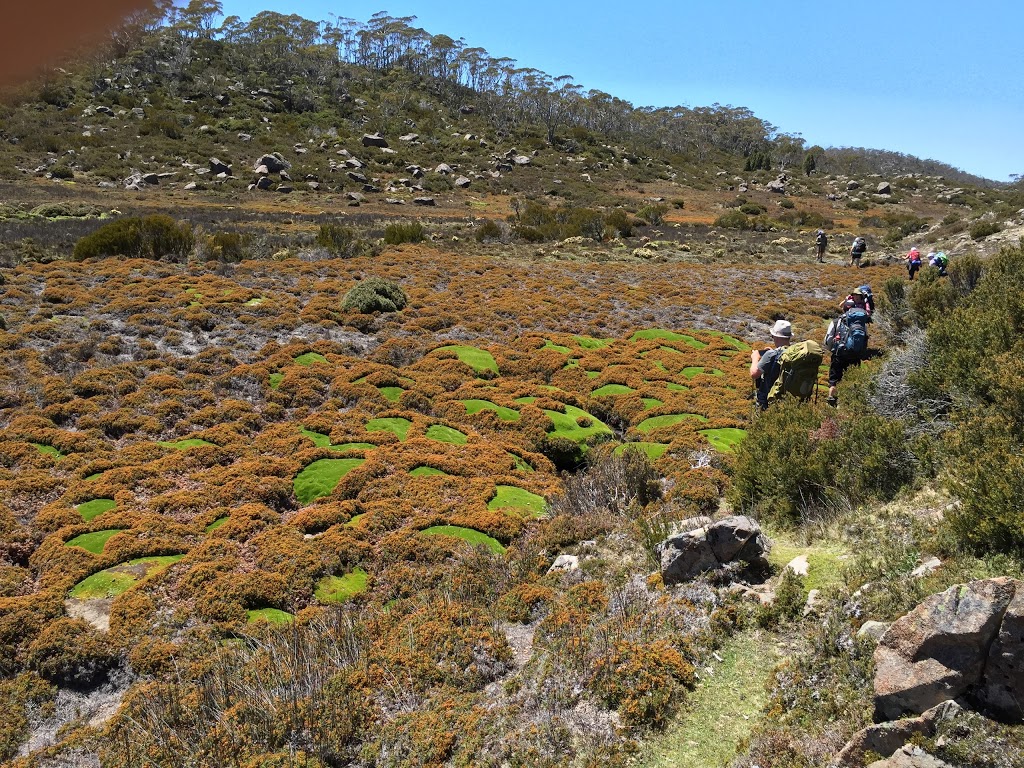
(798, 371)
(848, 335)
(860, 245)
(868, 296)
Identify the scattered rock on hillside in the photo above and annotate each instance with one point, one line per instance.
(884, 188)
(274, 162)
(467, 109)
(409, 137)
(521, 160)
(217, 166)
(444, 169)
(888, 738)
(424, 201)
(873, 629)
(374, 140)
(852, 185)
(778, 186)
(910, 757)
(967, 641)
(565, 563)
(926, 568)
(798, 565)
(687, 555)
(264, 183)
(357, 177)
(462, 182)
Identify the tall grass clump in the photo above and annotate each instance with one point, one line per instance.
(151, 237)
(404, 232)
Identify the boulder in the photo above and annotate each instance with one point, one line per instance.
(941, 650)
(429, 201)
(284, 189)
(467, 109)
(245, 137)
(151, 178)
(462, 182)
(264, 183)
(798, 565)
(910, 757)
(444, 169)
(887, 738)
(521, 160)
(357, 177)
(686, 555)
(353, 162)
(873, 630)
(261, 170)
(415, 170)
(778, 187)
(410, 137)
(926, 568)
(564, 563)
(852, 185)
(884, 188)
(103, 110)
(374, 140)
(217, 166)
(274, 162)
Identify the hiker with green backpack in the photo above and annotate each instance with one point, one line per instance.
(787, 369)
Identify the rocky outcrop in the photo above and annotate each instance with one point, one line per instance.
(689, 554)
(888, 738)
(374, 140)
(275, 163)
(965, 642)
(883, 188)
(910, 757)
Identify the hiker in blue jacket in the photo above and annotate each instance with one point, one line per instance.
(764, 367)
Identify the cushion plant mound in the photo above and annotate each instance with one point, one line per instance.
(512, 497)
(93, 476)
(673, 387)
(352, 447)
(612, 389)
(695, 370)
(375, 294)
(666, 335)
(396, 424)
(479, 360)
(724, 439)
(467, 534)
(48, 450)
(338, 589)
(309, 358)
(320, 440)
(255, 302)
(321, 477)
(654, 451)
(269, 615)
(651, 402)
(668, 420)
(589, 342)
(526, 400)
(391, 394)
(216, 524)
(90, 509)
(181, 445)
(739, 344)
(276, 379)
(425, 471)
(593, 374)
(445, 434)
(505, 414)
(556, 347)
(567, 426)
(521, 464)
(120, 578)
(93, 542)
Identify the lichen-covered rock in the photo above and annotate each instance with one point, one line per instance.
(689, 554)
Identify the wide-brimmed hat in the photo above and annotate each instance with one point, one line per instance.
(782, 329)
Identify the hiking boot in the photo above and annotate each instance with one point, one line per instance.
(833, 401)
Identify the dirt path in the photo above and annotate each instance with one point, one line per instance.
(721, 711)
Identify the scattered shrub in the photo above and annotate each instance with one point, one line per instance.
(375, 294)
(734, 220)
(653, 214)
(404, 232)
(487, 230)
(981, 229)
(339, 240)
(62, 171)
(154, 237)
(70, 652)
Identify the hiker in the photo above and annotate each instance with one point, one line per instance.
(821, 240)
(913, 261)
(860, 298)
(940, 260)
(764, 367)
(860, 245)
(847, 341)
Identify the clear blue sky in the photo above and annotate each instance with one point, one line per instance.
(938, 79)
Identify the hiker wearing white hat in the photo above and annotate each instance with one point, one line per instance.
(764, 367)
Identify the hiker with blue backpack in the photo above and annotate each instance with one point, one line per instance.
(940, 261)
(847, 337)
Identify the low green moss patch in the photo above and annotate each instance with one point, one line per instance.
(695, 370)
(395, 424)
(90, 509)
(479, 360)
(724, 439)
(527, 400)
(391, 394)
(443, 434)
(673, 387)
(824, 566)
(321, 477)
(658, 333)
(255, 302)
(352, 447)
(275, 380)
(548, 344)
(651, 402)
(474, 537)
(513, 497)
(93, 476)
(338, 589)
(738, 343)
(120, 578)
(269, 615)
(668, 420)
(181, 445)
(505, 414)
(589, 342)
(576, 424)
(652, 450)
(320, 440)
(48, 450)
(94, 542)
(425, 471)
(612, 389)
(522, 464)
(216, 524)
(309, 358)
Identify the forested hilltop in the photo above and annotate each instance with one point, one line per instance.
(369, 401)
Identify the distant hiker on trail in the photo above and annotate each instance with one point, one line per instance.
(821, 240)
(914, 261)
(860, 245)
(939, 260)
(764, 367)
(860, 298)
(847, 340)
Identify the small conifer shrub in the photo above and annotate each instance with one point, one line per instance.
(404, 232)
(375, 295)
